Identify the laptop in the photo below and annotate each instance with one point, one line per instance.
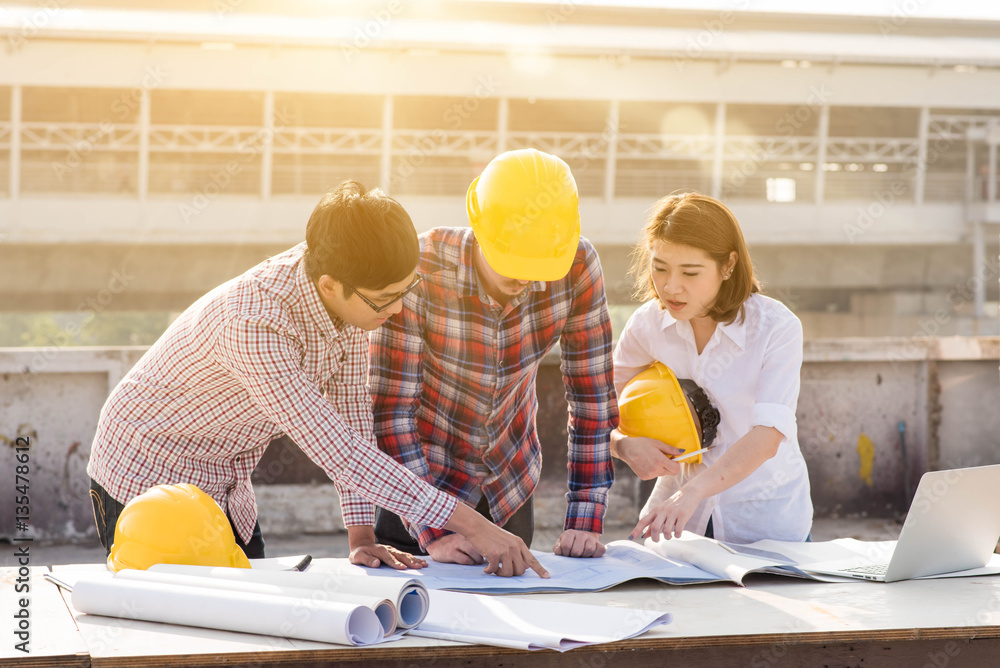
(953, 525)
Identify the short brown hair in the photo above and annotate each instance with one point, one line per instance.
(699, 221)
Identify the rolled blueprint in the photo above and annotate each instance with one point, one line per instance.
(246, 612)
(383, 608)
(412, 600)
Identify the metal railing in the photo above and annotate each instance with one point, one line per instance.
(944, 187)
(867, 185)
(106, 158)
(431, 180)
(228, 174)
(316, 179)
(80, 137)
(59, 172)
(656, 183)
(753, 185)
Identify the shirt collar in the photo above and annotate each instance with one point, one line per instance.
(735, 331)
(465, 271)
(466, 277)
(331, 327)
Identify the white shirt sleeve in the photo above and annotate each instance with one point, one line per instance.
(632, 354)
(777, 389)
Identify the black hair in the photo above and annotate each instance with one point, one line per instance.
(360, 238)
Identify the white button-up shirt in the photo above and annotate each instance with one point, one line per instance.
(750, 372)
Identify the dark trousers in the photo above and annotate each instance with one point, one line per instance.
(389, 529)
(107, 509)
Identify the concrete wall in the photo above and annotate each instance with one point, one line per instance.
(836, 290)
(235, 219)
(854, 394)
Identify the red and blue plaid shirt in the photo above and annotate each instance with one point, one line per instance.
(255, 357)
(453, 381)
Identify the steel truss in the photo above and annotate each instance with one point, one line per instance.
(478, 146)
(352, 141)
(103, 136)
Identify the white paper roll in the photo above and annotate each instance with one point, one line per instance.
(247, 612)
(412, 600)
(383, 608)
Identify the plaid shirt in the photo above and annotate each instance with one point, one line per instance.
(453, 380)
(255, 357)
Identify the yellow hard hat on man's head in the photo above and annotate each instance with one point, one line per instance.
(525, 212)
(657, 405)
(174, 524)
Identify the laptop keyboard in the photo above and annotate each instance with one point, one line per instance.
(870, 569)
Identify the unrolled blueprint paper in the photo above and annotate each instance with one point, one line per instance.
(529, 624)
(622, 562)
(264, 614)
(410, 596)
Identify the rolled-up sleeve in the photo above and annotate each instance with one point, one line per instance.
(777, 391)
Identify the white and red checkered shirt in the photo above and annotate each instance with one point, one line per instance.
(254, 358)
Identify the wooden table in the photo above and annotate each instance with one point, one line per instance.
(774, 621)
(54, 640)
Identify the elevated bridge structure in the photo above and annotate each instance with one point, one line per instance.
(148, 155)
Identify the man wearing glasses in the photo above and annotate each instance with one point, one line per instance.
(453, 376)
(284, 349)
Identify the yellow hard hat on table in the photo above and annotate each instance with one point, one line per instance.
(657, 405)
(525, 212)
(174, 524)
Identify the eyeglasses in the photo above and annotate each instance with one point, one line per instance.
(378, 309)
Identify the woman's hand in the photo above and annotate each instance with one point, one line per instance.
(743, 458)
(647, 457)
(668, 517)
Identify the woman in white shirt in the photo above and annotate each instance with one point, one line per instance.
(706, 319)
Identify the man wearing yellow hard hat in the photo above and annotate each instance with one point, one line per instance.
(453, 377)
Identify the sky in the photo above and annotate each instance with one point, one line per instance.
(961, 9)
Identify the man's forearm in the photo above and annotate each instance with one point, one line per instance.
(360, 535)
